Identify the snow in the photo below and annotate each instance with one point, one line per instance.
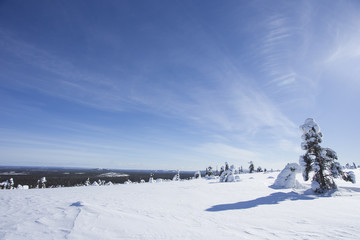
(113, 174)
(287, 177)
(12, 173)
(309, 126)
(195, 209)
(228, 175)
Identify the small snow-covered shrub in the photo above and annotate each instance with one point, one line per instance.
(177, 176)
(287, 177)
(228, 175)
(41, 183)
(101, 182)
(197, 175)
(151, 179)
(209, 171)
(128, 182)
(87, 182)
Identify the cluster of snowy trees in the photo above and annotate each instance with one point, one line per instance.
(41, 183)
(232, 170)
(228, 174)
(7, 184)
(258, 169)
(97, 183)
(10, 184)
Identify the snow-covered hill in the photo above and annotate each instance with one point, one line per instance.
(196, 209)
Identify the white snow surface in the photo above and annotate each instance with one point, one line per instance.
(195, 209)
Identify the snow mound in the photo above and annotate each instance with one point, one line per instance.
(287, 177)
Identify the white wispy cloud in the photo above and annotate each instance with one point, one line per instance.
(230, 104)
(227, 152)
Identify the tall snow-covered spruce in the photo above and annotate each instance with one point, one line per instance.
(322, 161)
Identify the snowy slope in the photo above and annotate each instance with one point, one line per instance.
(197, 209)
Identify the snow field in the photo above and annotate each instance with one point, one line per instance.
(205, 209)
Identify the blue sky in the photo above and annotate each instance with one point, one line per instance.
(176, 84)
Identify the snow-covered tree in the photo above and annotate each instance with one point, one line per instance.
(128, 182)
(8, 184)
(177, 176)
(259, 169)
(209, 171)
(226, 166)
(228, 175)
(11, 183)
(101, 182)
(287, 177)
(41, 183)
(197, 174)
(151, 179)
(322, 161)
(251, 167)
(109, 183)
(87, 182)
(221, 170)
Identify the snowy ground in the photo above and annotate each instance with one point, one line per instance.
(197, 209)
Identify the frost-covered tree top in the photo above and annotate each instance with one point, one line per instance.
(311, 133)
(310, 125)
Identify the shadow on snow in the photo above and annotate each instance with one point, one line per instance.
(273, 198)
(351, 189)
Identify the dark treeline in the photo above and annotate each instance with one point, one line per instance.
(68, 177)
